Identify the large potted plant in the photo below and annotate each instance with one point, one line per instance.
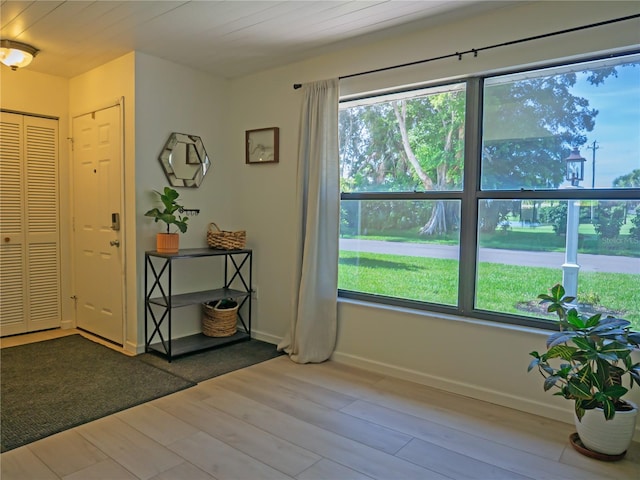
(168, 242)
(586, 362)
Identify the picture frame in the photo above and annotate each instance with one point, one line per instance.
(262, 145)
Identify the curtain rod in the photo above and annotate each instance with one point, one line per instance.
(490, 47)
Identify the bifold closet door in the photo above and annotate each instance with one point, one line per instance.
(29, 224)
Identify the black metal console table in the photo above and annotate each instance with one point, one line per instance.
(160, 302)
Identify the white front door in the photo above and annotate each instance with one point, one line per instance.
(98, 222)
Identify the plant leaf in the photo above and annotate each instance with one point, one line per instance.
(557, 291)
(634, 338)
(550, 382)
(615, 391)
(564, 352)
(579, 389)
(618, 349)
(559, 337)
(574, 319)
(609, 409)
(585, 344)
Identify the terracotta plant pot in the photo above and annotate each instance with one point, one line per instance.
(167, 242)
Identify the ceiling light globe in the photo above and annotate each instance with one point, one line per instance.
(15, 54)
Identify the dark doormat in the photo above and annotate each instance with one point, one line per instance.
(211, 363)
(51, 386)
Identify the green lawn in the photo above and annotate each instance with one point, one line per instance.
(501, 288)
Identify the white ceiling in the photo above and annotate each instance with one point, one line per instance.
(227, 38)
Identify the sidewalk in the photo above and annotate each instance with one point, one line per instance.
(587, 262)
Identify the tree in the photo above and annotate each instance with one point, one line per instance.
(634, 231)
(432, 132)
(630, 180)
(530, 125)
(529, 128)
(371, 152)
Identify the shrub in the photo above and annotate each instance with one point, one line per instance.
(609, 219)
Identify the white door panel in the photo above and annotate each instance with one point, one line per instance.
(98, 249)
(29, 224)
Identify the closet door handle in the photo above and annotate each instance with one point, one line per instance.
(114, 243)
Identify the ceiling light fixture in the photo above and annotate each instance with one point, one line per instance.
(16, 54)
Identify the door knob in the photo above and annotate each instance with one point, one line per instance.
(114, 243)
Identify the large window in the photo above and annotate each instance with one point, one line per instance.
(472, 198)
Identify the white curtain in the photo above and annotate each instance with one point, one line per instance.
(312, 334)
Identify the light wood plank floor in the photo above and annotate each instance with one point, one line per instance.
(282, 420)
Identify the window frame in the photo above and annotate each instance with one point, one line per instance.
(471, 195)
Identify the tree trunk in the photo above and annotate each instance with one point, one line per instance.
(437, 224)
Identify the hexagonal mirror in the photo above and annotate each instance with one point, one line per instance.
(184, 160)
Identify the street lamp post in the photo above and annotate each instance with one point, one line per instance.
(593, 147)
(570, 267)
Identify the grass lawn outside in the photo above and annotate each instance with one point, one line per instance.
(501, 288)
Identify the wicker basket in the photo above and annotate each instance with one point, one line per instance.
(217, 238)
(219, 322)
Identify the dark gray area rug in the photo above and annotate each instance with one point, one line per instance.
(197, 367)
(51, 386)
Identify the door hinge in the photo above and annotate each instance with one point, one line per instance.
(71, 140)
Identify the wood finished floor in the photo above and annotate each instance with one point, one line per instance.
(282, 420)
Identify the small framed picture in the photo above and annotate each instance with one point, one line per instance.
(262, 145)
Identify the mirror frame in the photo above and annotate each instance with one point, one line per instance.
(195, 155)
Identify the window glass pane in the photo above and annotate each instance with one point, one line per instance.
(383, 253)
(533, 121)
(525, 246)
(413, 141)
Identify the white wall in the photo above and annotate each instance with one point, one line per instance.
(474, 358)
(97, 89)
(173, 98)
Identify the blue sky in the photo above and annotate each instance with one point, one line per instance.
(617, 129)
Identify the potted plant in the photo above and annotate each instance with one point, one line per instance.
(168, 242)
(586, 362)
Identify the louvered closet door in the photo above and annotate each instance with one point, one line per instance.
(29, 219)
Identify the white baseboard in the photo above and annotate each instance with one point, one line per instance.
(67, 324)
(468, 390)
(133, 348)
(265, 337)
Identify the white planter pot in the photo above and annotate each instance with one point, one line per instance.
(611, 437)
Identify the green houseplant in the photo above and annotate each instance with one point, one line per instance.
(586, 362)
(168, 242)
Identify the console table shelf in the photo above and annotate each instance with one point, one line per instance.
(185, 299)
(197, 342)
(160, 301)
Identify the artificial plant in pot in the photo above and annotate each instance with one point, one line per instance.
(168, 242)
(587, 362)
